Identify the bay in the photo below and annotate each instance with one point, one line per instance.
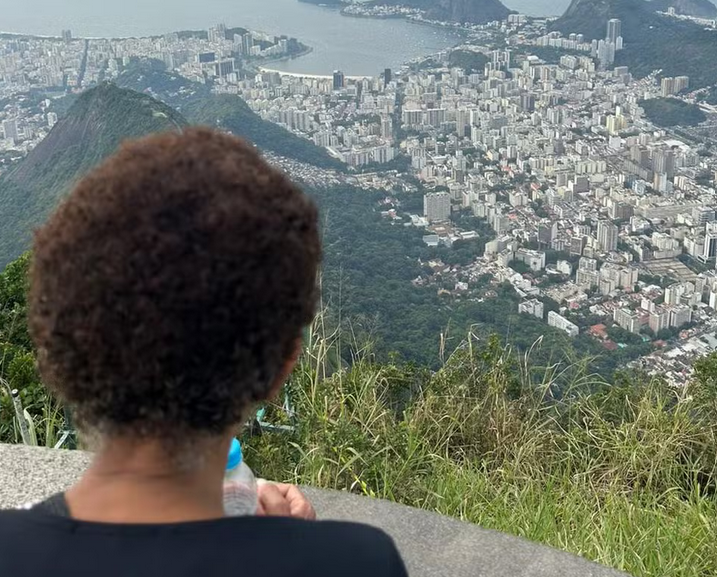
(357, 46)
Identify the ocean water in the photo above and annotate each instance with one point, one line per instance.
(355, 45)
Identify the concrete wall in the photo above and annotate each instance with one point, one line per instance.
(432, 545)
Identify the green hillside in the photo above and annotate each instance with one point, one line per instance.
(473, 11)
(93, 128)
(652, 42)
(233, 114)
(622, 472)
(698, 8)
(672, 112)
(200, 106)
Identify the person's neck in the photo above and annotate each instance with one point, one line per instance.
(137, 482)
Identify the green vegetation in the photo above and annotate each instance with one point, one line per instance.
(698, 8)
(668, 112)
(624, 475)
(95, 126)
(100, 119)
(472, 62)
(621, 472)
(473, 11)
(233, 114)
(710, 97)
(18, 366)
(197, 103)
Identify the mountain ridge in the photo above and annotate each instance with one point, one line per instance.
(105, 116)
(200, 106)
(696, 8)
(652, 41)
(473, 11)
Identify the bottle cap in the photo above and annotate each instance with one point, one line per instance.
(235, 455)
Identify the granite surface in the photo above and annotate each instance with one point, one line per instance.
(431, 545)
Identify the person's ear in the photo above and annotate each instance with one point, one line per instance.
(289, 365)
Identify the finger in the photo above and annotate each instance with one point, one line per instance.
(273, 501)
(299, 504)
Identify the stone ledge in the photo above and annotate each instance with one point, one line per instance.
(431, 545)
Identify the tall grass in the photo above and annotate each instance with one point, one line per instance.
(623, 473)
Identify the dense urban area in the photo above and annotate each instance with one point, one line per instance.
(591, 191)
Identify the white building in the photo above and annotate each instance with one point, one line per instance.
(437, 206)
(532, 307)
(560, 322)
(608, 235)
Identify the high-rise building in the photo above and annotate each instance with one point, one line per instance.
(710, 252)
(577, 245)
(608, 235)
(621, 211)
(67, 35)
(663, 162)
(532, 307)
(589, 264)
(10, 129)
(388, 75)
(527, 102)
(667, 87)
(462, 122)
(681, 83)
(437, 206)
(629, 320)
(247, 43)
(387, 128)
(339, 80)
(614, 30)
(659, 320)
(680, 316)
(547, 233)
(702, 215)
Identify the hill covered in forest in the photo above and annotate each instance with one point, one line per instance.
(473, 11)
(652, 41)
(696, 8)
(672, 112)
(92, 129)
(146, 99)
(201, 106)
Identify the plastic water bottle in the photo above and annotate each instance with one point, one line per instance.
(240, 490)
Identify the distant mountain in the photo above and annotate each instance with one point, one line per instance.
(231, 113)
(652, 42)
(327, 2)
(197, 103)
(696, 8)
(92, 129)
(589, 17)
(473, 11)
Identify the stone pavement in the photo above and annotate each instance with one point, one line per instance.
(432, 545)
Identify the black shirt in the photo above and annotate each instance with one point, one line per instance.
(37, 544)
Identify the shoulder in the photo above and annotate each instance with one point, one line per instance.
(365, 545)
(13, 519)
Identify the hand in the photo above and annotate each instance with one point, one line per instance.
(281, 500)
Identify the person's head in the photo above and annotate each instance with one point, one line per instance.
(170, 289)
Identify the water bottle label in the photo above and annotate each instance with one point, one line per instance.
(239, 500)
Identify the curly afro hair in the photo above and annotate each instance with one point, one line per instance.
(170, 288)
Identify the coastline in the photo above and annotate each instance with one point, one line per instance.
(374, 17)
(307, 50)
(410, 19)
(316, 76)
